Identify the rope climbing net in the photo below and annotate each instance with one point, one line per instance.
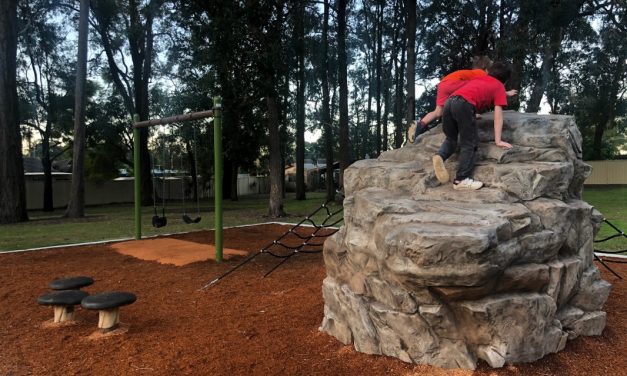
(597, 257)
(307, 236)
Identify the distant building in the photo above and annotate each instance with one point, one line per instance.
(32, 164)
(314, 175)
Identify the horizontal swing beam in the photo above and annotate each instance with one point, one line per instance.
(174, 119)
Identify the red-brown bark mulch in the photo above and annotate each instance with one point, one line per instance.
(244, 325)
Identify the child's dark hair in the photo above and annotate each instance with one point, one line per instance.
(501, 71)
(481, 62)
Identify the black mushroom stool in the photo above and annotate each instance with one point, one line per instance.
(70, 283)
(108, 304)
(63, 303)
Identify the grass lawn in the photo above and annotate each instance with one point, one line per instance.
(116, 221)
(612, 202)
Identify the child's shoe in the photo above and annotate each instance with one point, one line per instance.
(467, 184)
(440, 170)
(411, 132)
(415, 130)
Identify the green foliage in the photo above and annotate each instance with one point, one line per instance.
(99, 164)
(597, 94)
(227, 48)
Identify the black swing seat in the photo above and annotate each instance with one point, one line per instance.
(159, 221)
(187, 219)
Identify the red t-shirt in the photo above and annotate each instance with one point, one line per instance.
(483, 92)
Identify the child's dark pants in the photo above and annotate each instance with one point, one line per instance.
(458, 120)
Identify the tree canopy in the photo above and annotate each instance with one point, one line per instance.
(353, 72)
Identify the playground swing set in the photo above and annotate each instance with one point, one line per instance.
(161, 220)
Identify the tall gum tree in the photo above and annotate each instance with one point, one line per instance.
(343, 84)
(265, 21)
(130, 24)
(12, 189)
(410, 29)
(327, 128)
(299, 47)
(44, 85)
(76, 204)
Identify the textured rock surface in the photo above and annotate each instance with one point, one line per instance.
(431, 275)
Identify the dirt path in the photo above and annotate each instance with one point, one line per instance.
(244, 325)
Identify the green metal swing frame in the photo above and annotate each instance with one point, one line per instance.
(216, 113)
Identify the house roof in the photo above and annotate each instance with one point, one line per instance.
(32, 165)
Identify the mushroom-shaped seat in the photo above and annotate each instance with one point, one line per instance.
(108, 305)
(63, 303)
(70, 283)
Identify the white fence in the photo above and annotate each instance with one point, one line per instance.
(121, 190)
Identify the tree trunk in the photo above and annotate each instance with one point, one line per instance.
(398, 111)
(378, 71)
(343, 83)
(411, 60)
(326, 113)
(397, 79)
(364, 129)
(275, 208)
(487, 16)
(136, 101)
(611, 100)
(140, 41)
(12, 188)
(234, 180)
(300, 101)
(46, 162)
(550, 52)
(76, 204)
(386, 110)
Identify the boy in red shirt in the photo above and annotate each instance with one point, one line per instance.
(449, 84)
(458, 120)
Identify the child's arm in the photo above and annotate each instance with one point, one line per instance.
(498, 128)
(511, 93)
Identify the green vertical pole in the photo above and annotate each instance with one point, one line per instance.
(217, 174)
(137, 183)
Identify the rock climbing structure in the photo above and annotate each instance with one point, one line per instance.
(431, 275)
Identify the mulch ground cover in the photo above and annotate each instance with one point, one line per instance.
(243, 325)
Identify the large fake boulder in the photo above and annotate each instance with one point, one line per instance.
(432, 275)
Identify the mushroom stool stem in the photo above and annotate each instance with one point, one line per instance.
(63, 313)
(108, 319)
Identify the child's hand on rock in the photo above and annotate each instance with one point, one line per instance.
(503, 144)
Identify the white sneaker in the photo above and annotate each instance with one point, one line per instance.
(440, 170)
(411, 132)
(468, 184)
